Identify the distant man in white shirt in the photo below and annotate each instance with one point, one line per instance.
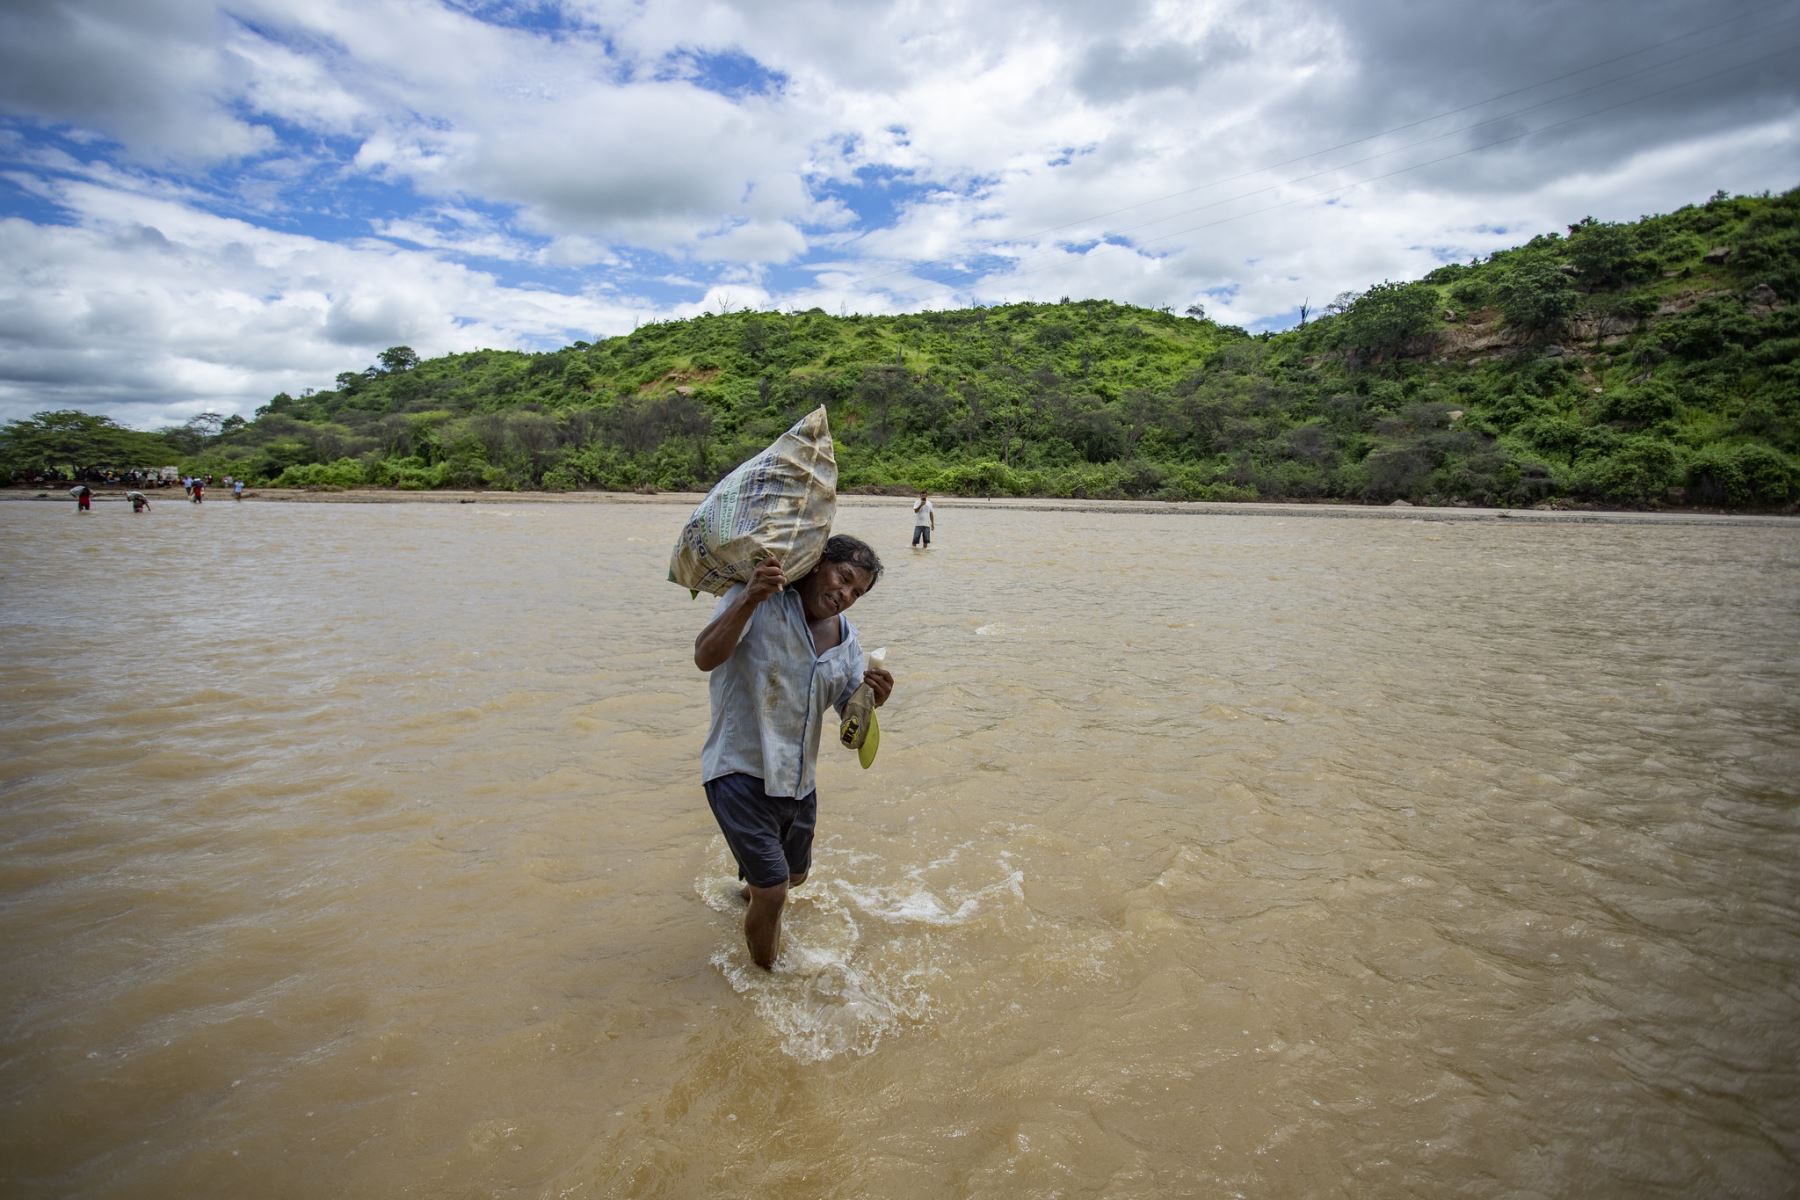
(924, 521)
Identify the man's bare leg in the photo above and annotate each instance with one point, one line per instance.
(794, 881)
(762, 924)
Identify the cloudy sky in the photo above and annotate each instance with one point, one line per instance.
(204, 202)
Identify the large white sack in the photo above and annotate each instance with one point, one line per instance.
(781, 502)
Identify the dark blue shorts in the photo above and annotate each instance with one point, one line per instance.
(770, 836)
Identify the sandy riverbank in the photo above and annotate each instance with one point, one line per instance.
(59, 495)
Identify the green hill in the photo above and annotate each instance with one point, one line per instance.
(1630, 365)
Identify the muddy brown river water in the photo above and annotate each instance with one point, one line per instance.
(359, 851)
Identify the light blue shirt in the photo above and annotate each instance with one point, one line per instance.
(770, 697)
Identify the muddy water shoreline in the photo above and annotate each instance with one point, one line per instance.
(1397, 512)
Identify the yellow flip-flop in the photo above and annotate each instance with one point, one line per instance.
(865, 753)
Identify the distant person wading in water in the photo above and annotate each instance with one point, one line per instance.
(924, 521)
(779, 657)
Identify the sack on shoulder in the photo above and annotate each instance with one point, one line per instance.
(780, 503)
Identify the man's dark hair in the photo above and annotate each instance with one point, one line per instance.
(841, 547)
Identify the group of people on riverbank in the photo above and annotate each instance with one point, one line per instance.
(135, 477)
(84, 499)
(194, 486)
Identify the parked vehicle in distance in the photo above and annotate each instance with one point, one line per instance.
(167, 476)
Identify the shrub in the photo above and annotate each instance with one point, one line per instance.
(1536, 297)
(986, 478)
(1708, 329)
(1389, 319)
(1294, 480)
(1140, 478)
(408, 474)
(1740, 476)
(331, 477)
(1477, 471)
(1472, 293)
(1776, 350)
(1397, 472)
(857, 474)
(1514, 408)
(1769, 249)
(1640, 404)
(1607, 255)
(1230, 492)
(1639, 471)
(1556, 435)
(1527, 482)
(463, 470)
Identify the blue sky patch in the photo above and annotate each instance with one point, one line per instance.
(734, 75)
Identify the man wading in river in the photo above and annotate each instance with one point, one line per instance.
(779, 657)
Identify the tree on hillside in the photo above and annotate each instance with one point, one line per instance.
(1092, 428)
(397, 359)
(878, 392)
(1388, 320)
(645, 424)
(1536, 297)
(194, 434)
(197, 432)
(757, 338)
(1607, 254)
